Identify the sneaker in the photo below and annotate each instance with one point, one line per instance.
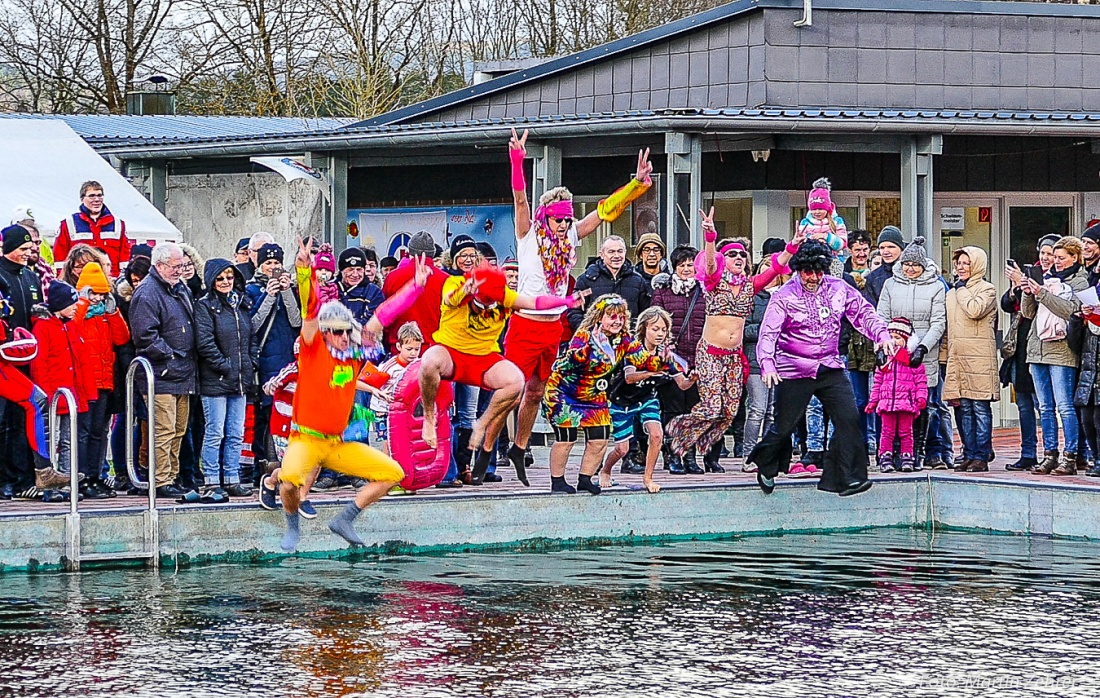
(267, 496)
(357, 483)
(798, 470)
(238, 489)
(48, 478)
(399, 491)
(306, 509)
(748, 468)
(907, 462)
(886, 462)
(323, 484)
(29, 494)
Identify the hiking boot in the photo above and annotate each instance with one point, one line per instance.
(963, 464)
(978, 466)
(631, 466)
(886, 462)
(1068, 466)
(908, 463)
(47, 478)
(1024, 463)
(1049, 463)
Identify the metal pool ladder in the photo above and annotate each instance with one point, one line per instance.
(150, 550)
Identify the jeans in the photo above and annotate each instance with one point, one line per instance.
(861, 386)
(1029, 435)
(815, 426)
(940, 437)
(224, 420)
(465, 407)
(759, 406)
(1054, 388)
(976, 428)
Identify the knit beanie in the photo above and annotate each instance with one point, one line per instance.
(901, 325)
(486, 250)
(914, 252)
(15, 236)
(1047, 240)
(460, 243)
(324, 261)
(1092, 233)
(773, 246)
(891, 234)
(93, 277)
(352, 257)
(820, 198)
(61, 296)
(141, 249)
(510, 263)
(269, 251)
(422, 244)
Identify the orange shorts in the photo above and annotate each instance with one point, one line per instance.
(532, 345)
(470, 369)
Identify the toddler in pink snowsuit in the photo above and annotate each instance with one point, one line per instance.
(899, 394)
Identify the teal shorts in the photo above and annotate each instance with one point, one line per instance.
(622, 419)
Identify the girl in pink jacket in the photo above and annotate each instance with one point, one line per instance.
(900, 393)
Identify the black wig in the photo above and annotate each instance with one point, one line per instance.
(812, 255)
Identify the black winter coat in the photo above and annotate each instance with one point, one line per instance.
(1015, 368)
(875, 281)
(629, 284)
(162, 323)
(228, 351)
(1088, 391)
(23, 289)
(752, 329)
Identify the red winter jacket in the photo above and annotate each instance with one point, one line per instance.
(101, 334)
(59, 363)
(899, 387)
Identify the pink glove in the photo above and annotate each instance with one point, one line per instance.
(551, 302)
(519, 183)
(396, 305)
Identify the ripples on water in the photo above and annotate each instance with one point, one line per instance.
(870, 614)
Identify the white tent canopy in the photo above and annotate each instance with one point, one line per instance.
(45, 164)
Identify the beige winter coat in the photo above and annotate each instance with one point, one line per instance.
(972, 370)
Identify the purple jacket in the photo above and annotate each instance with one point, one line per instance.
(801, 331)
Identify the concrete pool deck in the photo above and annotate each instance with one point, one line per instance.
(508, 515)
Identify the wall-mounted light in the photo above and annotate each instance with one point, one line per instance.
(758, 155)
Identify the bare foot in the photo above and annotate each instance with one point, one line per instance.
(652, 487)
(605, 481)
(428, 433)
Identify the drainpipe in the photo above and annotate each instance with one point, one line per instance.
(807, 14)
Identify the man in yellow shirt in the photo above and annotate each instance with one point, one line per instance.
(467, 350)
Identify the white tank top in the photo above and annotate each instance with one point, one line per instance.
(532, 277)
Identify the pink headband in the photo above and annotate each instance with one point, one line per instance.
(558, 209)
(731, 246)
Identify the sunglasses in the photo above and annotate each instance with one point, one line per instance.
(734, 254)
(224, 279)
(567, 221)
(339, 332)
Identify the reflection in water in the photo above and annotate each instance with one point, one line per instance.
(874, 613)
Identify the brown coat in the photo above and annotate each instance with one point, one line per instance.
(972, 370)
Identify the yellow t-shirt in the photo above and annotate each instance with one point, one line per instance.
(469, 329)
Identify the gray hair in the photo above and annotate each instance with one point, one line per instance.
(612, 238)
(335, 315)
(258, 240)
(164, 252)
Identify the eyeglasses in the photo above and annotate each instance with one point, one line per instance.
(651, 250)
(815, 274)
(467, 255)
(94, 196)
(733, 254)
(187, 265)
(339, 332)
(177, 267)
(910, 265)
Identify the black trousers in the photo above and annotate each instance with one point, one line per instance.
(846, 457)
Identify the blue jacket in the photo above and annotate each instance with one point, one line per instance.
(361, 300)
(162, 323)
(277, 320)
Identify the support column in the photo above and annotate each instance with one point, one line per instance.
(916, 188)
(771, 217)
(336, 220)
(158, 184)
(683, 188)
(546, 171)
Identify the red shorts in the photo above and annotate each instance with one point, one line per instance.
(470, 369)
(532, 345)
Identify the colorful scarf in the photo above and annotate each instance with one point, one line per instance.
(557, 253)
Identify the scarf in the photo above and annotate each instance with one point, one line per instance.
(558, 254)
(682, 287)
(1065, 273)
(96, 310)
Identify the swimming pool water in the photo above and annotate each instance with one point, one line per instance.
(882, 613)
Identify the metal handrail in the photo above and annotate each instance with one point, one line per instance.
(152, 527)
(72, 519)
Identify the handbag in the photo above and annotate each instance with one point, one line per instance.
(1008, 347)
(1076, 334)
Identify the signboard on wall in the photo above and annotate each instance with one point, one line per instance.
(388, 230)
(953, 218)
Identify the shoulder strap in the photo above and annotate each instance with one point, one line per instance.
(687, 316)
